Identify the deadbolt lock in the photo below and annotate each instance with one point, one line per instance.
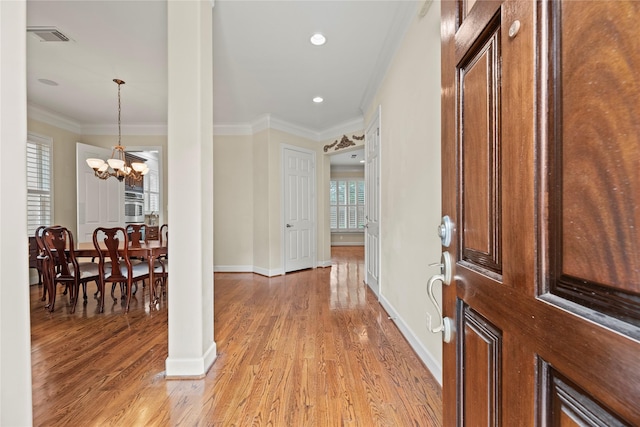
(445, 230)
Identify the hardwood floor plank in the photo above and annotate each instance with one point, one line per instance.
(311, 348)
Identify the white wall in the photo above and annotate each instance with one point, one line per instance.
(410, 183)
(248, 214)
(234, 200)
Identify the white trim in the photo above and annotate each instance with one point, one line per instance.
(161, 172)
(233, 268)
(347, 244)
(129, 129)
(293, 129)
(268, 273)
(41, 114)
(354, 125)
(324, 264)
(232, 129)
(191, 367)
(268, 121)
(425, 356)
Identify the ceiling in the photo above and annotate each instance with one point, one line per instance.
(349, 159)
(263, 62)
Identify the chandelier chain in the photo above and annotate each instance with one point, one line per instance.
(119, 111)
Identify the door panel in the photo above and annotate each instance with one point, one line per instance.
(594, 232)
(541, 156)
(299, 227)
(479, 101)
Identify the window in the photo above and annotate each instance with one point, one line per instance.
(39, 182)
(346, 205)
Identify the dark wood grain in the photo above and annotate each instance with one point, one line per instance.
(566, 304)
(312, 348)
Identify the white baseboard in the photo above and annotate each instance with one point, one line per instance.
(247, 269)
(430, 362)
(375, 291)
(233, 268)
(266, 272)
(347, 244)
(324, 263)
(191, 367)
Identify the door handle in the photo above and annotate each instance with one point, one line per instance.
(445, 325)
(289, 225)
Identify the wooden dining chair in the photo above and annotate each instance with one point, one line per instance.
(37, 256)
(161, 264)
(63, 267)
(114, 263)
(136, 233)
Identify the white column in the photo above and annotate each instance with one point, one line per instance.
(15, 325)
(192, 349)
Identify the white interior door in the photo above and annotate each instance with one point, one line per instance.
(299, 209)
(372, 200)
(100, 202)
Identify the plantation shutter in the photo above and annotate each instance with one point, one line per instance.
(39, 182)
(346, 205)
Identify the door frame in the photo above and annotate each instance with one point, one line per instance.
(314, 205)
(161, 172)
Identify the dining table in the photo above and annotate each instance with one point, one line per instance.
(149, 250)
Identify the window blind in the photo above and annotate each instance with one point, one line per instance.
(39, 182)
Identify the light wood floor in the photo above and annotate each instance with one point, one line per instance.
(312, 348)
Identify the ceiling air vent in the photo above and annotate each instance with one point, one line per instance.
(48, 34)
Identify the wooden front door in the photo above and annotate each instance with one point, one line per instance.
(541, 178)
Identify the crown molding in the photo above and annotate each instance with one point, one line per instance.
(44, 115)
(266, 121)
(52, 118)
(293, 129)
(130, 129)
(269, 121)
(352, 126)
(232, 129)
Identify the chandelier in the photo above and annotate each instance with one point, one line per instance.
(118, 165)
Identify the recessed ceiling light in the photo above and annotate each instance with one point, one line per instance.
(318, 99)
(48, 82)
(318, 39)
(361, 161)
